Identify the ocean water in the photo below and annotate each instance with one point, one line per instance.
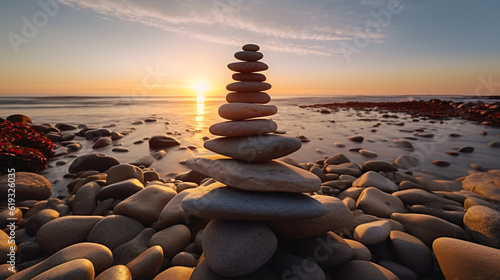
(188, 120)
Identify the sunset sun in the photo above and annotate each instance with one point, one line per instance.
(200, 88)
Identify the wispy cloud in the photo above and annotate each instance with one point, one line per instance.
(302, 27)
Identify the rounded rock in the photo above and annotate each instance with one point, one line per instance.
(359, 269)
(98, 162)
(411, 252)
(248, 67)
(114, 230)
(242, 111)
(248, 55)
(65, 231)
(249, 77)
(243, 128)
(235, 248)
(162, 141)
(79, 269)
(250, 47)
(145, 205)
(373, 232)
(460, 259)
(123, 172)
(175, 273)
(117, 272)
(28, 186)
(483, 224)
(248, 97)
(248, 86)
(172, 239)
(146, 265)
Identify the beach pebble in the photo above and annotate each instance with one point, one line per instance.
(184, 259)
(6, 270)
(411, 252)
(146, 265)
(403, 144)
(344, 168)
(441, 163)
(331, 247)
(28, 186)
(128, 251)
(173, 213)
(247, 67)
(172, 239)
(120, 149)
(357, 139)
(79, 269)
(159, 154)
(368, 153)
(483, 225)
(494, 144)
(145, 205)
(452, 153)
(35, 222)
(176, 273)
(19, 118)
(120, 190)
(117, 272)
(97, 133)
(116, 135)
(360, 251)
(102, 142)
(373, 232)
(248, 86)
(162, 141)
(337, 216)
(241, 111)
(243, 128)
(218, 201)
(145, 161)
(402, 272)
(427, 228)
(466, 149)
(336, 159)
(267, 176)
(85, 200)
(406, 162)
(486, 184)
(378, 203)
(100, 256)
(235, 248)
(254, 77)
(254, 148)
(360, 269)
(373, 179)
(377, 165)
(415, 196)
(99, 162)
(203, 272)
(123, 172)
(114, 230)
(460, 259)
(5, 247)
(339, 145)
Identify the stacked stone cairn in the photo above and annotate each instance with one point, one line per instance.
(254, 200)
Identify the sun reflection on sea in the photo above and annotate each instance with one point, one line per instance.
(200, 109)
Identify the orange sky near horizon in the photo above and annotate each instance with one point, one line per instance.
(150, 48)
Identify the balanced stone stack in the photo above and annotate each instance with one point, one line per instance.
(249, 187)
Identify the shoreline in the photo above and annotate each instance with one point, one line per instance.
(354, 151)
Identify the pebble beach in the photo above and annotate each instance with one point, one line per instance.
(256, 186)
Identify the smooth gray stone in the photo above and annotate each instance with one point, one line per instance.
(218, 201)
(268, 176)
(241, 111)
(243, 128)
(254, 148)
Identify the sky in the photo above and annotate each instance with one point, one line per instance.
(313, 47)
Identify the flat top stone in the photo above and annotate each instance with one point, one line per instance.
(254, 148)
(218, 201)
(267, 176)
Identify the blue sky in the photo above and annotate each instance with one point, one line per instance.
(312, 47)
